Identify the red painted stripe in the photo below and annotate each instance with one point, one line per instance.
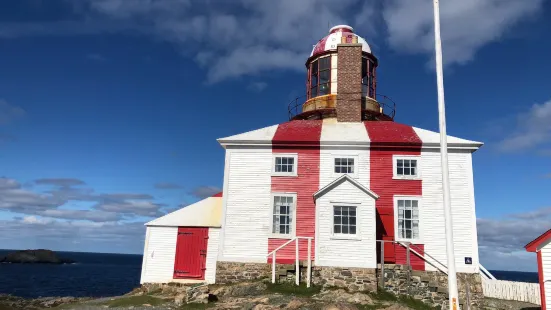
(388, 139)
(217, 195)
(301, 137)
(542, 283)
(417, 263)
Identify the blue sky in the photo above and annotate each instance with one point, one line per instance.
(109, 109)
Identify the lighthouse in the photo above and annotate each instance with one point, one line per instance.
(339, 187)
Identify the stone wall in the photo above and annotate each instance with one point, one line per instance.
(432, 287)
(230, 272)
(352, 279)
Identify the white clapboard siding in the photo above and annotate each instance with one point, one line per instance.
(509, 290)
(160, 250)
(212, 254)
(327, 164)
(463, 209)
(247, 206)
(546, 269)
(332, 251)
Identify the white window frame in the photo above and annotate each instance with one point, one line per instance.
(395, 159)
(285, 174)
(419, 206)
(356, 168)
(355, 236)
(293, 212)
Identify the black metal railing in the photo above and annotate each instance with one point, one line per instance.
(295, 107)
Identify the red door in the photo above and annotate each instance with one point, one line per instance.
(191, 253)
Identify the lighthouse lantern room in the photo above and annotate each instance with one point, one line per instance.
(341, 70)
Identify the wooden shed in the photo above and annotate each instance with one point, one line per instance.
(542, 247)
(182, 246)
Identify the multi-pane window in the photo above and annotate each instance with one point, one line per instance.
(408, 218)
(368, 78)
(344, 165)
(320, 76)
(284, 164)
(406, 167)
(344, 220)
(282, 221)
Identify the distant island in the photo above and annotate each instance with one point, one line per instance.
(34, 257)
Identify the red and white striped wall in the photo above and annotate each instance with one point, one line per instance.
(248, 183)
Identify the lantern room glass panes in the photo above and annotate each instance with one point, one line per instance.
(282, 215)
(320, 77)
(408, 218)
(344, 220)
(368, 78)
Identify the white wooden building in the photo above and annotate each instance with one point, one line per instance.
(542, 247)
(341, 172)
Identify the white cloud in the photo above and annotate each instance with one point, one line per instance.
(467, 25)
(501, 241)
(532, 130)
(9, 113)
(203, 192)
(249, 37)
(257, 86)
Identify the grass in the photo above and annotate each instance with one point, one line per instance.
(292, 289)
(414, 303)
(196, 306)
(134, 301)
(383, 295)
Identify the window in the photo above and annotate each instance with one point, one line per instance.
(282, 219)
(320, 76)
(344, 165)
(408, 218)
(368, 78)
(284, 165)
(344, 220)
(406, 168)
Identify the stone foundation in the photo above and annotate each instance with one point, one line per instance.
(352, 279)
(431, 286)
(231, 272)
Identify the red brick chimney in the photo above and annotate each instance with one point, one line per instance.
(349, 82)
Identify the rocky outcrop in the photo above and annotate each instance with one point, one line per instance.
(13, 302)
(34, 257)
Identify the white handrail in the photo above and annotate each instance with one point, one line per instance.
(486, 272)
(422, 256)
(297, 260)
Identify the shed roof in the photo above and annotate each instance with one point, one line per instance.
(536, 243)
(204, 213)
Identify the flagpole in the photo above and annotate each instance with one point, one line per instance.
(452, 276)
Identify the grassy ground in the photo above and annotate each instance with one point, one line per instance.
(134, 301)
(293, 290)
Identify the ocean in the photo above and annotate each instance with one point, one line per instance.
(100, 275)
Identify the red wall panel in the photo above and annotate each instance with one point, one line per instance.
(389, 139)
(301, 137)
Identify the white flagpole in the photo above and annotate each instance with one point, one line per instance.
(452, 276)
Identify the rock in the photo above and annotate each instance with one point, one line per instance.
(294, 304)
(180, 299)
(34, 257)
(339, 306)
(397, 307)
(244, 289)
(343, 296)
